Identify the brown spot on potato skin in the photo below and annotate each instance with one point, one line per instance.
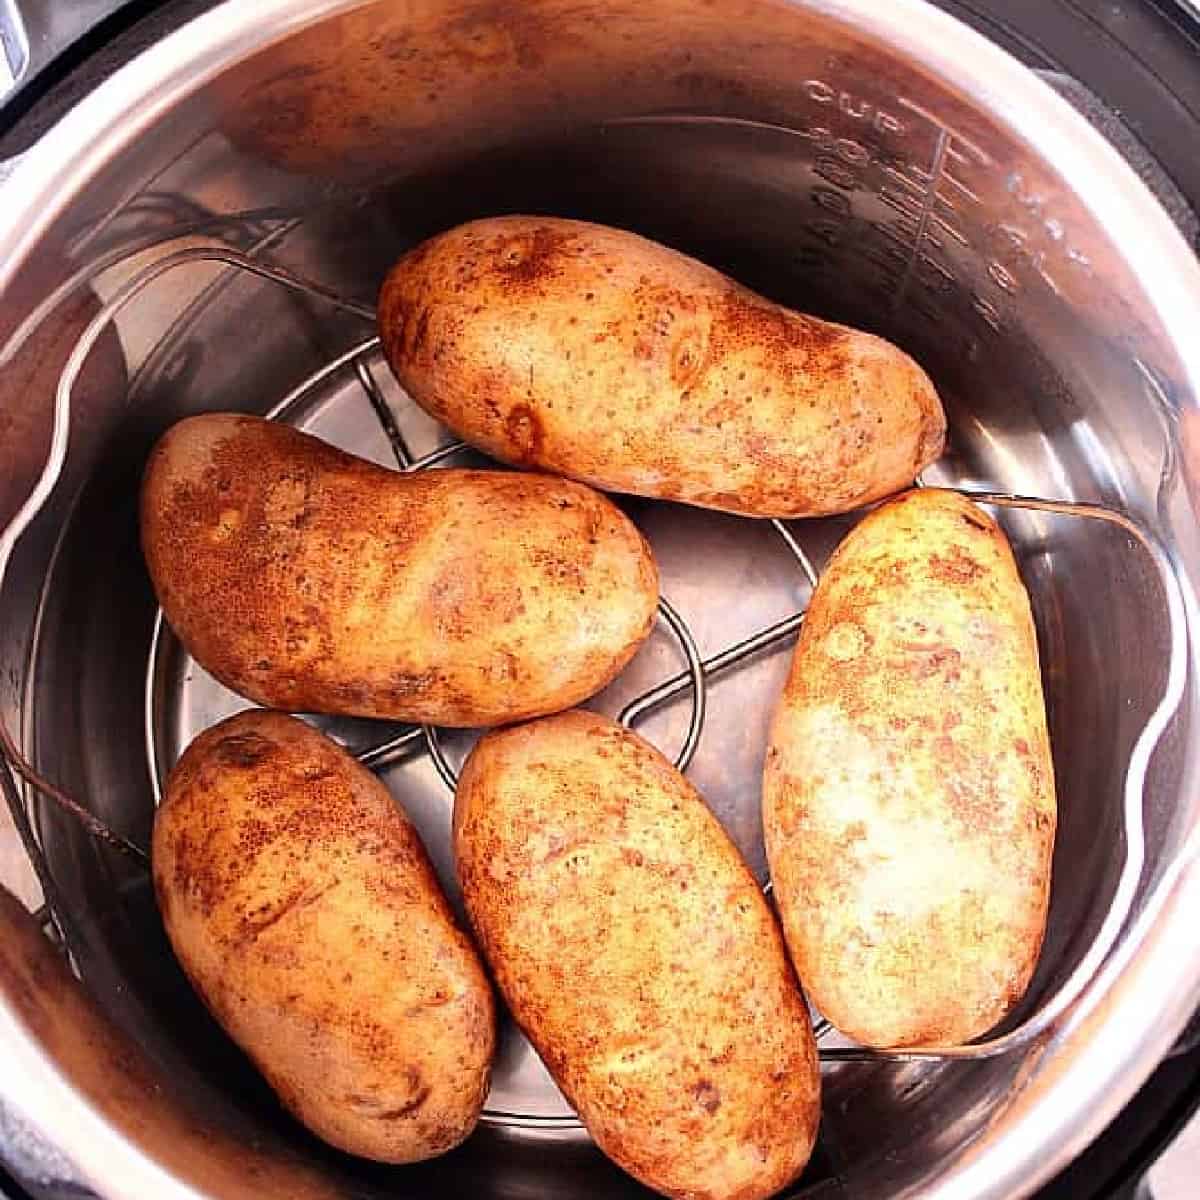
(957, 567)
(530, 259)
(707, 1096)
(524, 431)
(272, 878)
(747, 319)
(923, 662)
(972, 796)
(641, 370)
(689, 357)
(455, 597)
(419, 335)
(918, 768)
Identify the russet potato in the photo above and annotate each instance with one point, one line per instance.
(593, 353)
(634, 947)
(908, 797)
(301, 904)
(310, 580)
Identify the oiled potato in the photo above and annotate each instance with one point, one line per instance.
(634, 947)
(302, 906)
(597, 354)
(908, 799)
(306, 579)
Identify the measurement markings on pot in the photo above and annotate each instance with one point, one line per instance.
(957, 154)
(853, 106)
(928, 203)
(868, 151)
(908, 248)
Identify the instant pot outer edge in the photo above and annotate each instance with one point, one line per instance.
(1092, 1066)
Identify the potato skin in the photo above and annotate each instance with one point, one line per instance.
(302, 906)
(634, 947)
(310, 580)
(908, 795)
(594, 353)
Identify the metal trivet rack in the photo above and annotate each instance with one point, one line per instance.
(1099, 959)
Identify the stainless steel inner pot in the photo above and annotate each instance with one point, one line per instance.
(876, 164)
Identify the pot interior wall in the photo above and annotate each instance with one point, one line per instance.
(801, 158)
